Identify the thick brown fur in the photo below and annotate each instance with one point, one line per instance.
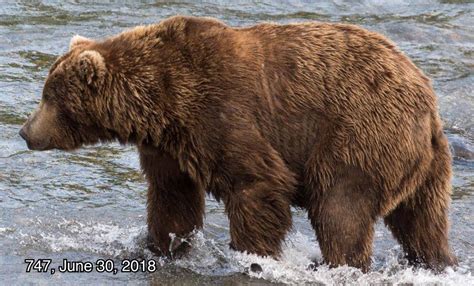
(329, 117)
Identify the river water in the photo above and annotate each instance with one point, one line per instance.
(90, 204)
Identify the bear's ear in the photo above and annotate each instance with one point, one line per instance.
(91, 66)
(77, 41)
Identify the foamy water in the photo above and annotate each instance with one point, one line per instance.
(210, 257)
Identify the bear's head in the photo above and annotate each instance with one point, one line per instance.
(72, 103)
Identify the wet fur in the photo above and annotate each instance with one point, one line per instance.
(328, 117)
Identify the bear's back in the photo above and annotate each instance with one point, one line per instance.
(349, 88)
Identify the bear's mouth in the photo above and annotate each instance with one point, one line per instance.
(36, 145)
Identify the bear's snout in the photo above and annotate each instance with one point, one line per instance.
(37, 144)
(40, 128)
(23, 134)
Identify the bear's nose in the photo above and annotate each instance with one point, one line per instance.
(23, 134)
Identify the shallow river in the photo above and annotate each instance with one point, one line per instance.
(90, 204)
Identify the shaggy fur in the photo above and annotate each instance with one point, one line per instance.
(328, 117)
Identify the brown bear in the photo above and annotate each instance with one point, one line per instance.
(331, 118)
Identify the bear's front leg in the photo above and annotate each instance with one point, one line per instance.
(259, 217)
(175, 206)
(258, 205)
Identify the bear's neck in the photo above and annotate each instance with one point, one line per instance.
(150, 90)
(158, 83)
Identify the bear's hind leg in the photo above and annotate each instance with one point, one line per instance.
(420, 223)
(343, 217)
